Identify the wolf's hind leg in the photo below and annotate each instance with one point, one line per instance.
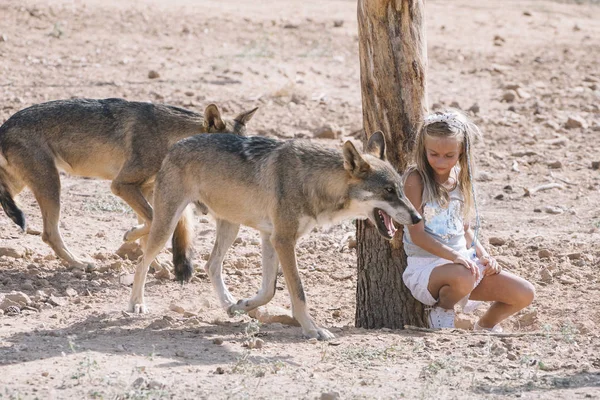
(169, 207)
(44, 181)
(128, 185)
(270, 263)
(225, 235)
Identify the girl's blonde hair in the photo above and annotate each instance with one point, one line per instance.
(449, 124)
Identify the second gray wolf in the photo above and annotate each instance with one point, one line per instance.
(281, 188)
(115, 139)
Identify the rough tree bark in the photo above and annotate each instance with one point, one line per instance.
(393, 58)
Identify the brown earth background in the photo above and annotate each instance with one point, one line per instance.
(527, 71)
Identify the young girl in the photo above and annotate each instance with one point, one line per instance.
(446, 263)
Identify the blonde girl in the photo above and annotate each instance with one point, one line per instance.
(446, 263)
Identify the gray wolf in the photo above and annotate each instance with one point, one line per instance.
(281, 188)
(114, 139)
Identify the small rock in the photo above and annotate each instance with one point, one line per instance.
(313, 341)
(544, 253)
(254, 343)
(155, 385)
(270, 314)
(567, 280)
(330, 396)
(218, 341)
(546, 275)
(162, 323)
(528, 318)
(463, 321)
(509, 96)
(189, 93)
(523, 94)
(164, 274)
(139, 383)
(338, 23)
(58, 301)
(45, 374)
(220, 371)
(576, 122)
(71, 292)
(126, 279)
(484, 176)
(177, 308)
(11, 311)
(330, 131)
(508, 262)
(555, 165)
(19, 297)
(297, 99)
(3, 38)
(595, 165)
(352, 242)
(511, 356)
(130, 251)
(152, 74)
(12, 252)
(455, 104)
(497, 241)
(552, 125)
(474, 108)
(553, 210)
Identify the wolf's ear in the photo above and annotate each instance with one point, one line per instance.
(246, 116)
(212, 118)
(376, 145)
(353, 162)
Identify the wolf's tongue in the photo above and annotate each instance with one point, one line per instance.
(387, 220)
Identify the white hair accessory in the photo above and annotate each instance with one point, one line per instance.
(449, 117)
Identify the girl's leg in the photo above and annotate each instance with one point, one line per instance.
(449, 283)
(509, 293)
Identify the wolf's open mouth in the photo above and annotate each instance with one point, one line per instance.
(384, 222)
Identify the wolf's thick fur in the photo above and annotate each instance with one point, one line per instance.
(112, 139)
(281, 188)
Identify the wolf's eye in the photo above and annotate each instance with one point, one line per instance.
(390, 189)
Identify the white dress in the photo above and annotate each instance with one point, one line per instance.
(445, 225)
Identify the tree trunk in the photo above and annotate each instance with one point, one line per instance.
(393, 57)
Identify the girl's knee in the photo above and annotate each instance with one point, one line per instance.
(525, 295)
(463, 282)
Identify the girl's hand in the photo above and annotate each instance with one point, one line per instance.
(491, 265)
(468, 264)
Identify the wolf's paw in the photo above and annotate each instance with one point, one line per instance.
(135, 233)
(137, 306)
(77, 263)
(319, 334)
(236, 309)
(140, 309)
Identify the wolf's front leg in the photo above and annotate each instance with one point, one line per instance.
(225, 235)
(287, 257)
(270, 262)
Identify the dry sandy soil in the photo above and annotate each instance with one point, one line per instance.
(298, 61)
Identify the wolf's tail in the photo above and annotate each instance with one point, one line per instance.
(182, 246)
(6, 199)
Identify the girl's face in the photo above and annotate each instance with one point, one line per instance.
(442, 154)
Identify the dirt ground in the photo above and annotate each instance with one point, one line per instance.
(528, 71)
